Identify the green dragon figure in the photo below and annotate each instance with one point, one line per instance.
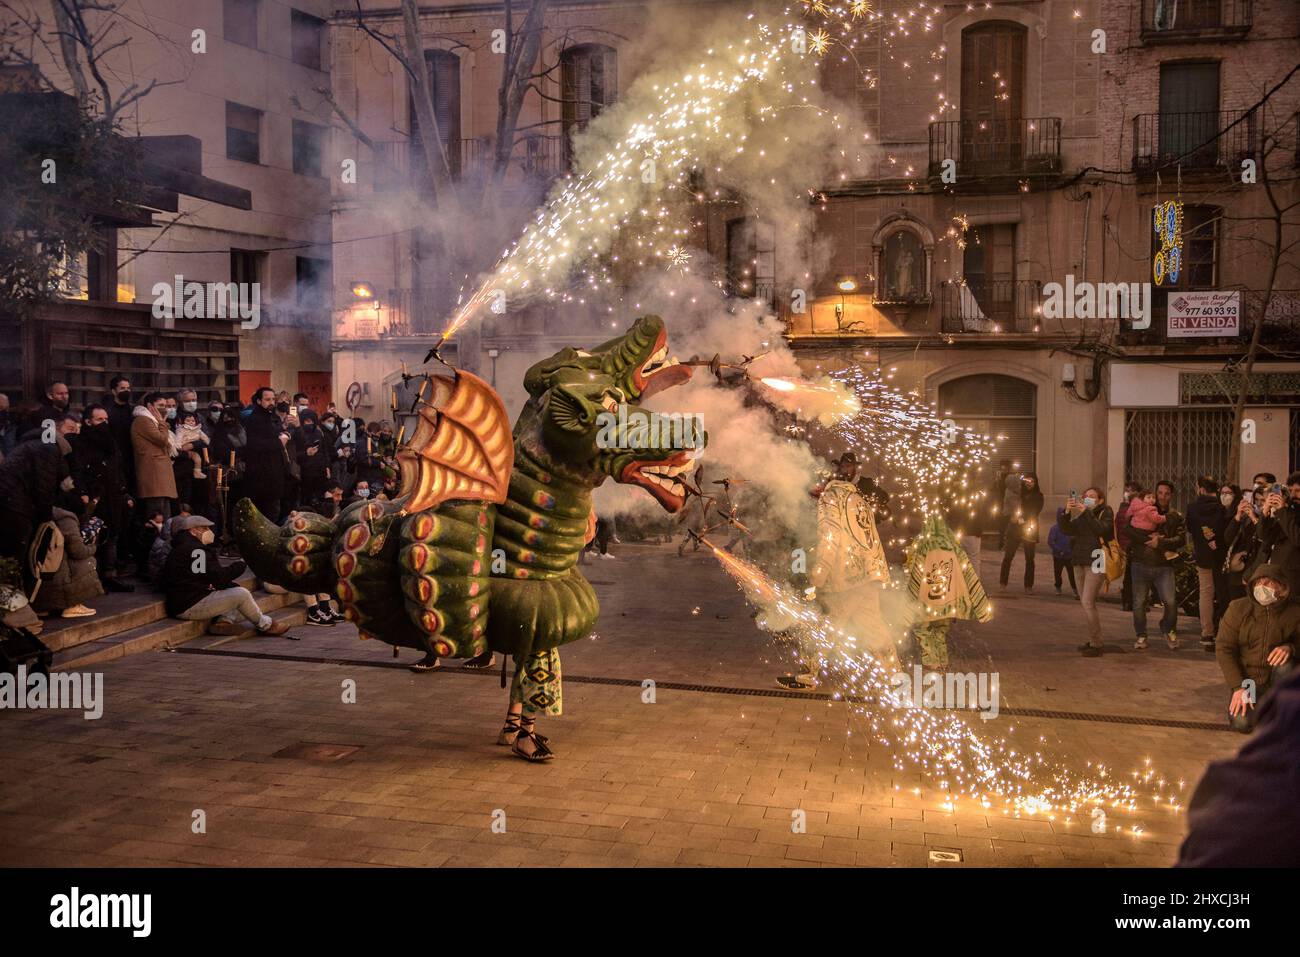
(479, 553)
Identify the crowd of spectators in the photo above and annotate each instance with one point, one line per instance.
(127, 478)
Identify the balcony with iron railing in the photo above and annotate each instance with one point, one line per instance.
(996, 148)
(1206, 140)
(993, 306)
(1173, 21)
(1281, 323)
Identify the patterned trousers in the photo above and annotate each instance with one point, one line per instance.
(537, 684)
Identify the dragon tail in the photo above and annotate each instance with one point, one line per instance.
(296, 555)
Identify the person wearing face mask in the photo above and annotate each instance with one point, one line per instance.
(1256, 643)
(1089, 523)
(1242, 537)
(198, 587)
(360, 492)
(1207, 520)
(211, 417)
(117, 400)
(266, 463)
(152, 443)
(1025, 505)
(1279, 532)
(97, 470)
(311, 449)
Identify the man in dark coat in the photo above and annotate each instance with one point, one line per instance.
(264, 455)
(198, 587)
(117, 400)
(97, 471)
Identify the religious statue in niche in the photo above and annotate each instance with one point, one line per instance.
(903, 272)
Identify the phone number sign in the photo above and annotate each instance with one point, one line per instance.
(1193, 314)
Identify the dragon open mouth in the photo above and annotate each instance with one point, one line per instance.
(659, 372)
(664, 478)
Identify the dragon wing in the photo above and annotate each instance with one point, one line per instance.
(462, 447)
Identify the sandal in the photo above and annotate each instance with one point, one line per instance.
(429, 662)
(540, 751)
(512, 730)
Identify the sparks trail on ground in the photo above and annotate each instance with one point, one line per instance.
(986, 771)
(696, 122)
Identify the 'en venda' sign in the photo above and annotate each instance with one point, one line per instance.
(1204, 314)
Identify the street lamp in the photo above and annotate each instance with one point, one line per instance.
(845, 284)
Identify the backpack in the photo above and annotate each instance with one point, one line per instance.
(45, 555)
(1116, 561)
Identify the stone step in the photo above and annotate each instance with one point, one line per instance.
(170, 632)
(117, 612)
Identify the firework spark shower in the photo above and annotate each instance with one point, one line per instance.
(737, 107)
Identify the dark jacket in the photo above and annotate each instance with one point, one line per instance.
(119, 426)
(185, 587)
(309, 436)
(29, 479)
(1248, 632)
(1206, 521)
(263, 452)
(1244, 812)
(1279, 544)
(1087, 531)
(1029, 505)
(97, 471)
(1173, 537)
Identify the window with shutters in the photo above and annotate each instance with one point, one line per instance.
(992, 94)
(308, 144)
(308, 34)
(243, 133)
(1189, 112)
(588, 84)
(239, 22)
(989, 270)
(444, 88)
(996, 405)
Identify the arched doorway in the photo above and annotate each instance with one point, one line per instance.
(996, 405)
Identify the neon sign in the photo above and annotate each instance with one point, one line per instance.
(1167, 220)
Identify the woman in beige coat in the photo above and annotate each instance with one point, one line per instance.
(151, 442)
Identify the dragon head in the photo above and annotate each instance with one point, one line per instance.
(589, 426)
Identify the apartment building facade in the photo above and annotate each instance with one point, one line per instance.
(1011, 159)
(237, 79)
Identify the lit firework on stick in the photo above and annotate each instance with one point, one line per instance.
(986, 771)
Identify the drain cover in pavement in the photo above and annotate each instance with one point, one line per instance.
(307, 751)
(942, 856)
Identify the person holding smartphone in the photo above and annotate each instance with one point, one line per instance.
(1279, 532)
(1089, 523)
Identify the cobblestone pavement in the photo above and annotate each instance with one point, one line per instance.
(709, 774)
